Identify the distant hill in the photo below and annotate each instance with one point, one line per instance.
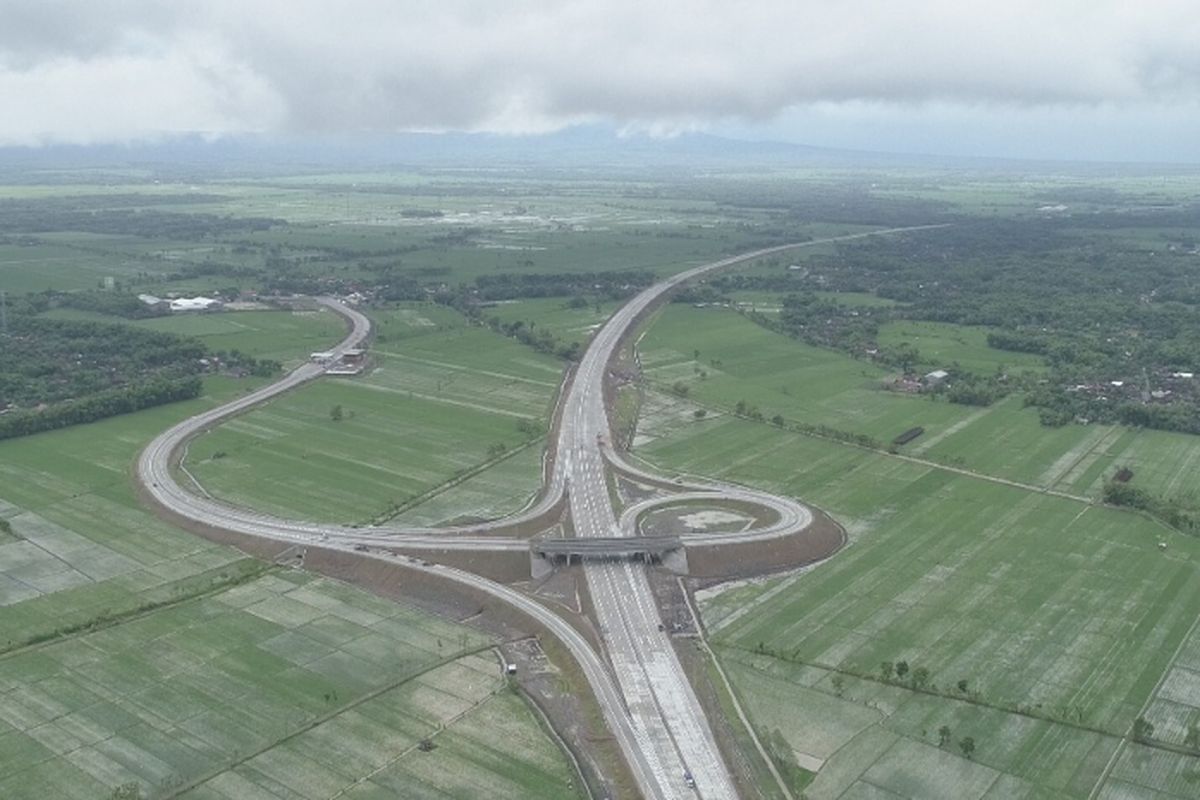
(581, 147)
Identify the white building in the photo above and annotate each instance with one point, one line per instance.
(323, 357)
(195, 304)
(157, 303)
(936, 377)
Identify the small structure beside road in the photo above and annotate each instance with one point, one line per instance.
(351, 362)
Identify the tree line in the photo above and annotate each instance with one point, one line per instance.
(1113, 321)
(99, 405)
(63, 372)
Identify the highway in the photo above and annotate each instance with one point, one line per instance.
(650, 707)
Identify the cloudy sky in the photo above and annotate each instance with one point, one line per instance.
(1099, 79)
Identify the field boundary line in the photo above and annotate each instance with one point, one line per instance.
(446, 486)
(437, 399)
(441, 728)
(968, 699)
(205, 777)
(133, 614)
(983, 476)
(733, 698)
(1120, 748)
(461, 368)
(183, 468)
(549, 729)
(958, 427)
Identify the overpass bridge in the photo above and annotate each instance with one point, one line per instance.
(545, 554)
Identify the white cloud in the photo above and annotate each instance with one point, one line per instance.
(117, 69)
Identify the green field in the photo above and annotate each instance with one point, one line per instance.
(280, 335)
(810, 385)
(84, 547)
(1067, 612)
(39, 267)
(285, 684)
(1042, 625)
(723, 357)
(554, 314)
(942, 345)
(131, 651)
(285, 336)
(443, 401)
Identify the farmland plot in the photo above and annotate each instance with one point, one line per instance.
(943, 344)
(722, 358)
(35, 268)
(280, 335)
(442, 402)
(1059, 616)
(265, 678)
(555, 315)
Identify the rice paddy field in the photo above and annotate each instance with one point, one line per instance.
(284, 336)
(738, 360)
(942, 344)
(36, 268)
(723, 357)
(285, 686)
(134, 652)
(444, 402)
(1061, 617)
(556, 315)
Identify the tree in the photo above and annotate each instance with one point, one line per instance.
(962, 686)
(943, 735)
(920, 677)
(967, 745)
(680, 388)
(886, 669)
(839, 684)
(1192, 739)
(777, 420)
(1143, 729)
(336, 413)
(127, 791)
(901, 669)
(700, 413)
(740, 408)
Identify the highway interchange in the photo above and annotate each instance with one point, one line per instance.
(639, 683)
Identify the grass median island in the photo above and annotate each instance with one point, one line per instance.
(445, 405)
(1058, 617)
